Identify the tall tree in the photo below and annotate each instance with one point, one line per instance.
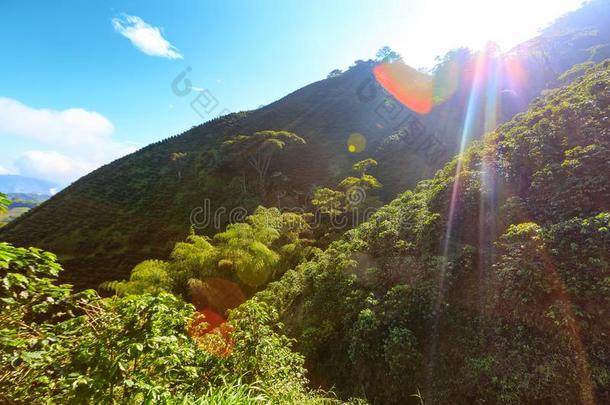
(178, 159)
(250, 257)
(387, 55)
(259, 148)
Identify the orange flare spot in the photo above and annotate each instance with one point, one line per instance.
(412, 88)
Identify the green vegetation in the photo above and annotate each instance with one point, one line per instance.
(351, 192)
(7, 214)
(485, 285)
(350, 203)
(74, 347)
(11, 214)
(500, 259)
(258, 150)
(17, 204)
(4, 203)
(246, 255)
(138, 207)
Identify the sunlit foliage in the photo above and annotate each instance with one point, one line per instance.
(487, 283)
(76, 347)
(250, 253)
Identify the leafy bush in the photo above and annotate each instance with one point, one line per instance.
(75, 347)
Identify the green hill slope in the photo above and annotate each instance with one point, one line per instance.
(487, 284)
(137, 207)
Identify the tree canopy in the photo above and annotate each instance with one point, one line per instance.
(259, 148)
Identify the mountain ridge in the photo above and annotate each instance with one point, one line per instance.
(138, 206)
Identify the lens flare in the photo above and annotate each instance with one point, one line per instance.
(212, 333)
(221, 294)
(514, 73)
(412, 88)
(205, 321)
(416, 90)
(356, 143)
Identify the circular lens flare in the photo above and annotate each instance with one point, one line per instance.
(356, 143)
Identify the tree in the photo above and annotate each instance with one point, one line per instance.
(334, 73)
(363, 183)
(352, 190)
(328, 201)
(147, 277)
(267, 244)
(196, 258)
(387, 55)
(250, 253)
(363, 166)
(250, 257)
(76, 347)
(259, 148)
(178, 158)
(293, 244)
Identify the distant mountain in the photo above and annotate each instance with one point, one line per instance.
(138, 206)
(20, 204)
(13, 184)
(29, 200)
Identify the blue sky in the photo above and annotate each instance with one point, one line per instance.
(84, 82)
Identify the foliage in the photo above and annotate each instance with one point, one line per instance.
(363, 166)
(352, 202)
(334, 73)
(335, 202)
(387, 55)
(249, 253)
(69, 348)
(258, 150)
(137, 207)
(249, 256)
(21, 203)
(328, 201)
(150, 276)
(4, 203)
(485, 284)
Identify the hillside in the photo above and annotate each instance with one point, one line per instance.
(20, 204)
(487, 283)
(137, 207)
(11, 215)
(387, 235)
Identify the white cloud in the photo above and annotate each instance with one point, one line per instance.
(73, 127)
(145, 37)
(72, 142)
(52, 166)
